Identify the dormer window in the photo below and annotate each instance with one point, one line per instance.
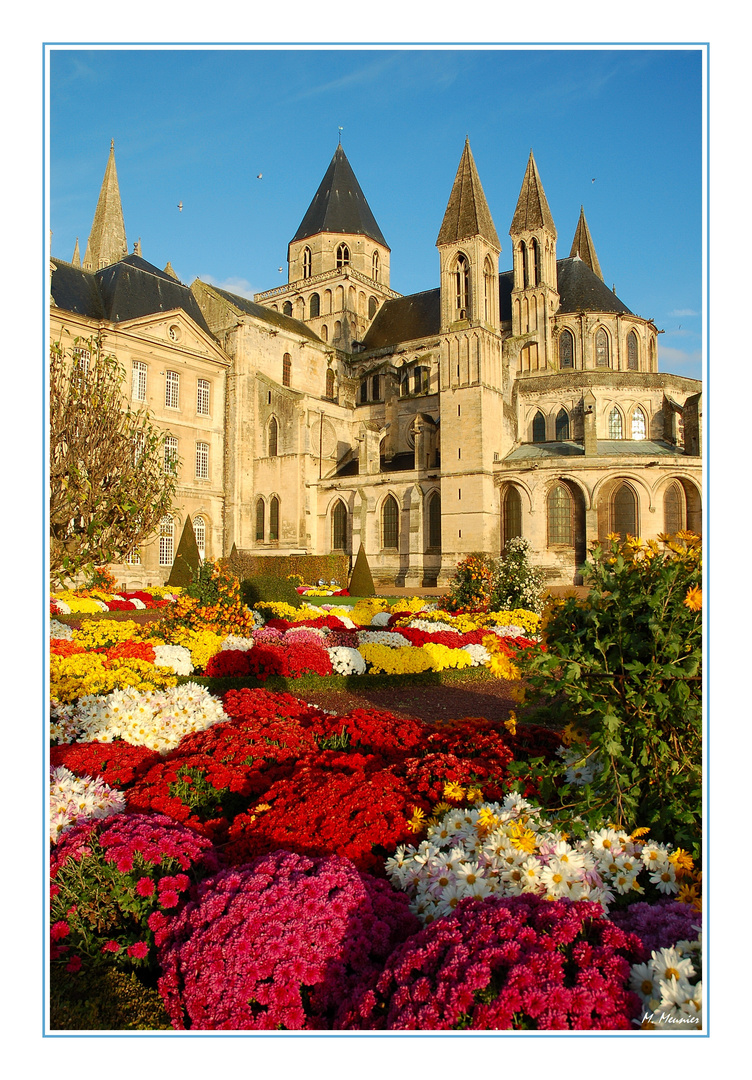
(343, 256)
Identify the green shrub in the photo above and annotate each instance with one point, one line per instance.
(108, 1000)
(623, 668)
(263, 588)
(361, 579)
(516, 584)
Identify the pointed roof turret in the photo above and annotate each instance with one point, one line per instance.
(532, 208)
(339, 205)
(169, 270)
(583, 245)
(76, 260)
(107, 243)
(467, 212)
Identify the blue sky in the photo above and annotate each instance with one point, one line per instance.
(197, 125)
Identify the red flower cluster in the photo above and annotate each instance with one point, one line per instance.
(118, 763)
(63, 647)
(288, 658)
(131, 650)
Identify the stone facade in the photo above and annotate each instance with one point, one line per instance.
(425, 427)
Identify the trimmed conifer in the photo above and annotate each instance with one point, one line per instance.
(187, 559)
(361, 579)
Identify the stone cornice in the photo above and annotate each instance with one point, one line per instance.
(328, 275)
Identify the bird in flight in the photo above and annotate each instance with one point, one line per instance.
(259, 176)
(593, 180)
(180, 206)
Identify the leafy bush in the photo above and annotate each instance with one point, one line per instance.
(108, 1000)
(623, 668)
(263, 588)
(484, 583)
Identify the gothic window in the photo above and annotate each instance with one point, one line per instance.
(375, 268)
(539, 427)
(364, 391)
(536, 262)
(673, 509)
(339, 526)
(306, 262)
(434, 520)
(273, 437)
(287, 308)
(314, 306)
(639, 427)
(324, 331)
(566, 349)
(488, 276)
(199, 531)
(633, 356)
(389, 523)
(615, 424)
(337, 330)
(512, 511)
(559, 512)
(329, 383)
(376, 391)
(166, 540)
(462, 286)
(562, 426)
(260, 514)
(523, 264)
(373, 307)
(601, 348)
(286, 369)
(274, 519)
(624, 511)
(343, 256)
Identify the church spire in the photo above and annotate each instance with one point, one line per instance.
(339, 205)
(583, 245)
(76, 260)
(107, 243)
(467, 212)
(532, 210)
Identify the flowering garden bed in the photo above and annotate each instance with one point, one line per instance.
(227, 855)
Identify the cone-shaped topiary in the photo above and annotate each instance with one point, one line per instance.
(187, 560)
(361, 580)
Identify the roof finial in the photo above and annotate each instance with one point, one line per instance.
(340, 129)
(112, 144)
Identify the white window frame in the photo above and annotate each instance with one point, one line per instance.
(202, 461)
(170, 455)
(172, 390)
(199, 531)
(138, 383)
(166, 541)
(203, 397)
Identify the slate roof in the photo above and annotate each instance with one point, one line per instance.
(583, 245)
(339, 205)
(582, 290)
(405, 318)
(274, 318)
(467, 212)
(532, 210)
(605, 448)
(129, 289)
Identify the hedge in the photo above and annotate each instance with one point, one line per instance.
(312, 568)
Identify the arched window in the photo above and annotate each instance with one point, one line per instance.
(376, 391)
(488, 276)
(462, 286)
(337, 330)
(286, 369)
(639, 427)
(375, 267)
(523, 264)
(274, 519)
(434, 520)
(306, 262)
(329, 383)
(624, 511)
(536, 262)
(566, 349)
(339, 526)
(273, 437)
(343, 256)
(389, 523)
(364, 391)
(166, 540)
(539, 427)
(633, 354)
(512, 515)
(615, 424)
(601, 348)
(199, 531)
(314, 306)
(287, 308)
(562, 425)
(373, 307)
(559, 512)
(260, 513)
(324, 331)
(673, 508)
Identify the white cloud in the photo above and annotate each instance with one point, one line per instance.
(236, 285)
(669, 359)
(682, 313)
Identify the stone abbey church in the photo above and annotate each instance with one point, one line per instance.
(332, 411)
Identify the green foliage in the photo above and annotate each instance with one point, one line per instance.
(108, 486)
(361, 579)
(484, 583)
(310, 568)
(623, 668)
(100, 578)
(264, 588)
(187, 560)
(109, 1000)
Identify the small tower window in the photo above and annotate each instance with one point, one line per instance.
(286, 369)
(306, 262)
(566, 349)
(462, 285)
(373, 307)
(536, 262)
(260, 512)
(274, 520)
(523, 264)
(539, 427)
(314, 306)
(273, 437)
(562, 426)
(287, 308)
(601, 349)
(343, 256)
(488, 276)
(615, 424)
(375, 267)
(633, 356)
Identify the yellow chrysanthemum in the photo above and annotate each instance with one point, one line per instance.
(453, 791)
(511, 724)
(521, 837)
(693, 599)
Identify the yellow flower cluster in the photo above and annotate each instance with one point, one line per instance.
(81, 605)
(72, 677)
(202, 644)
(499, 663)
(93, 633)
(442, 657)
(280, 610)
(407, 661)
(365, 610)
(413, 603)
(528, 621)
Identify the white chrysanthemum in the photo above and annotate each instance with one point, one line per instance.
(382, 637)
(139, 605)
(60, 631)
(431, 627)
(346, 661)
(381, 618)
(75, 799)
(654, 855)
(61, 607)
(176, 657)
(237, 644)
(508, 630)
(479, 654)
